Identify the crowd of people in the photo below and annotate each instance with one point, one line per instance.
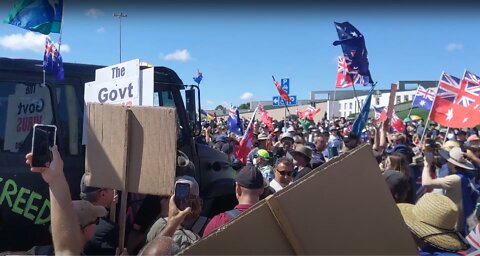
(432, 173)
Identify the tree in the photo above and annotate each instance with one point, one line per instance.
(220, 107)
(244, 106)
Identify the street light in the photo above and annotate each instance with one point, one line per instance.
(120, 15)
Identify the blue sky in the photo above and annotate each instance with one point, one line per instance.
(238, 48)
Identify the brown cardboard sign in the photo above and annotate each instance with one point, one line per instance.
(131, 149)
(343, 208)
(391, 101)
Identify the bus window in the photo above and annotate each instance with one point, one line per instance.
(21, 106)
(70, 118)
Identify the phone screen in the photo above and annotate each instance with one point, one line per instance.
(44, 137)
(182, 191)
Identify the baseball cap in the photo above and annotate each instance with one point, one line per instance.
(473, 137)
(86, 189)
(87, 212)
(263, 154)
(249, 177)
(194, 188)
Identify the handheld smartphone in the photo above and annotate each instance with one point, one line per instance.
(44, 137)
(182, 191)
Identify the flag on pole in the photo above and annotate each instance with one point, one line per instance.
(199, 77)
(234, 123)
(457, 102)
(246, 144)
(266, 119)
(424, 98)
(308, 113)
(344, 74)
(52, 60)
(359, 123)
(396, 123)
(281, 91)
(354, 51)
(43, 16)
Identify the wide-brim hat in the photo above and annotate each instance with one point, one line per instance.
(433, 220)
(303, 150)
(262, 136)
(455, 156)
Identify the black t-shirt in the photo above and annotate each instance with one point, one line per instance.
(105, 240)
(299, 174)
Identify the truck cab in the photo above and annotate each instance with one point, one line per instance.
(25, 100)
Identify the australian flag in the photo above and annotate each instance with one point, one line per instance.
(52, 60)
(199, 77)
(424, 98)
(234, 123)
(355, 52)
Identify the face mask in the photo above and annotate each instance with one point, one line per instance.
(254, 161)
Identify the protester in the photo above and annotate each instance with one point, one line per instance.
(249, 186)
(318, 150)
(301, 160)
(283, 174)
(398, 184)
(456, 185)
(186, 233)
(105, 239)
(261, 160)
(66, 227)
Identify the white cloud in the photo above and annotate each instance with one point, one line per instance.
(94, 13)
(100, 30)
(454, 46)
(178, 55)
(246, 96)
(28, 41)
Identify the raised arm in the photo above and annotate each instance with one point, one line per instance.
(66, 233)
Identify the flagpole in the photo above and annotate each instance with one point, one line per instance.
(333, 103)
(61, 29)
(429, 113)
(446, 135)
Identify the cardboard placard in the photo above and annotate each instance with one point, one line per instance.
(340, 208)
(391, 101)
(131, 149)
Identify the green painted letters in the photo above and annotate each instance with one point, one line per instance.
(31, 206)
(39, 219)
(6, 193)
(20, 200)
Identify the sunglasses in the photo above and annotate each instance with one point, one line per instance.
(285, 173)
(96, 221)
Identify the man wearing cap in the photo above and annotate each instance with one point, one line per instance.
(351, 141)
(105, 240)
(261, 162)
(189, 230)
(457, 186)
(284, 147)
(248, 188)
(301, 159)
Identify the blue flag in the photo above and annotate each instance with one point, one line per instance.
(234, 123)
(424, 98)
(43, 16)
(354, 51)
(361, 120)
(199, 77)
(52, 60)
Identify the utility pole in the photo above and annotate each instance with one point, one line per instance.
(120, 15)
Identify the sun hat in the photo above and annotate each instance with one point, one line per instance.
(448, 145)
(286, 135)
(263, 154)
(433, 219)
(303, 150)
(455, 156)
(84, 188)
(473, 137)
(262, 136)
(290, 129)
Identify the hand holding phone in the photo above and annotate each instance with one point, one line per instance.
(182, 192)
(44, 138)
